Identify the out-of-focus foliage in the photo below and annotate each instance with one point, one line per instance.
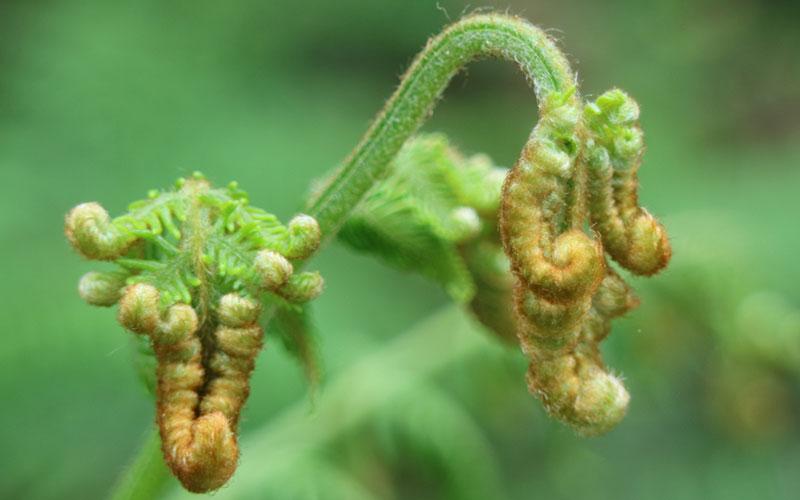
(102, 100)
(427, 210)
(437, 214)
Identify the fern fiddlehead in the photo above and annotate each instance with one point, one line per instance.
(194, 264)
(578, 162)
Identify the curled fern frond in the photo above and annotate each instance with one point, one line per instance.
(566, 294)
(101, 289)
(561, 176)
(194, 265)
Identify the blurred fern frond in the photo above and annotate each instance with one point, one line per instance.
(434, 201)
(436, 214)
(432, 430)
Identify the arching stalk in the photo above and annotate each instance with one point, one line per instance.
(474, 37)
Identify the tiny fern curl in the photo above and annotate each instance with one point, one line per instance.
(194, 265)
(613, 154)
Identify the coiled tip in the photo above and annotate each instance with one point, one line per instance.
(614, 297)
(89, 230)
(302, 287)
(138, 308)
(305, 235)
(614, 106)
(574, 272)
(210, 460)
(181, 321)
(649, 249)
(273, 269)
(236, 311)
(139, 312)
(601, 403)
(579, 392)
(101, 289)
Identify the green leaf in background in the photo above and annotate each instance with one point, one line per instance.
(429, 204)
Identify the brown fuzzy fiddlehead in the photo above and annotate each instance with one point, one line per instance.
(194, 264)
(566, 294)
(200, 449)
(557, 263)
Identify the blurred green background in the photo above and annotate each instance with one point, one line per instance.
(105, 100)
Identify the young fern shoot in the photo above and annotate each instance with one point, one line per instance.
(194, 265)
(197, 266)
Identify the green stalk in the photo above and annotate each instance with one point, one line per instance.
(474, 37)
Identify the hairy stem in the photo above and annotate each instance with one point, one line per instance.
(474, 37)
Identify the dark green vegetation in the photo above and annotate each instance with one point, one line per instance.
(104, 100)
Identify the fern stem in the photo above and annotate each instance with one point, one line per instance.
(474, 37)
